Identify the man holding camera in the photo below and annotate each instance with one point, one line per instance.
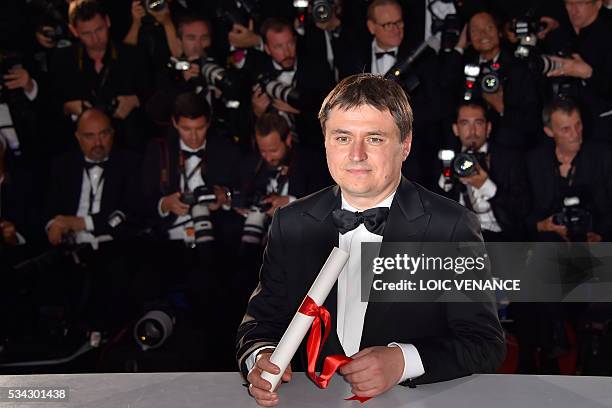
(585, 71)
(98, 73)
(187, 180)
(92, 194)
(569, 176)
(504, 82)
(495, 187)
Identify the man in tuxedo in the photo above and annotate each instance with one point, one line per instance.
(497, 191)
(90, 208)
(367, 123)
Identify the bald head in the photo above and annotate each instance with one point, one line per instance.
(95, 134)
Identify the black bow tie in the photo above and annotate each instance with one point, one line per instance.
(187, 154)
(381, 54)
(373, 219)
(90, 165)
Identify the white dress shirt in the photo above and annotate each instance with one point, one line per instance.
(382, 65)
(91, 186)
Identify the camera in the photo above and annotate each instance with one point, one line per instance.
(200, 195)
(575, 218)
(154, 328)
(237, 12)
(278, 90)
(526, 30)
(8, 61)
(255, 225)
(451, 31)
(223, 79)
(154, 5)
(178, 64)
(481, 78)
(322, 10)
(462, 164)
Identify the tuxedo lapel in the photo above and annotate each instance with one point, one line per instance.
(407, 222)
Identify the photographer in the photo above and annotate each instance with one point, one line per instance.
(504, 82)
(153, 30)
(287, 83)
(569, 179)
(90, 207)
(584, 71)
(99, 73)
(492, 180)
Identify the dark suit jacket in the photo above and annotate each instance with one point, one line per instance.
(511, 202)
(307, 173)
(453, 340)
(119, 192)
(592, 184)
(221, 160)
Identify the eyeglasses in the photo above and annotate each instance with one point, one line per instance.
(399, 24)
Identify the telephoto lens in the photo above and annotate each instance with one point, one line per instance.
(464, 164)
(322, 10)
(202, 224)
(153, 329)
(254, 226)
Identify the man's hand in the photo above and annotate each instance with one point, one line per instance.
(162, 16)
(463, 38)
(75, 107)
(551, 24)
(477, 179)
(593, 237)
(260, 101)
(572, 67)
(192, 72)
(172, 203)
(18, 78)
(259, 388)
(42, 39)
(138, 12)
(125, 105)
(9, 233)
(243, 37)
(62, 224)
(374, 370)
(284, 106)
(222, 198)
(496, 100)
(276, 201)
(547, 225)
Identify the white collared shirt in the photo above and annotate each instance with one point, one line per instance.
(91, 186)
(382, 65)
(286, 77)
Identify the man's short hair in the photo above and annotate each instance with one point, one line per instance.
(190, 105)
(84, 10)
(375, 91)
(270, 122)
(559, 103)
(188, 19)
(377, 3)
(476, 103)
(274, 24)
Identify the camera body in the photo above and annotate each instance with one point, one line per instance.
(526, 30)
(322, 10)
(483, 78)
(154, 5)
(463, 164)
(178, 64)
(200, 195)
(223, 79)
(278, 90)
(575, 218)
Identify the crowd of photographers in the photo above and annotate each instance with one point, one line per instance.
(145, 145)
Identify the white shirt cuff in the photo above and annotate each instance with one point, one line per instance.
(413, 366)
(252, 358)
(20, 239)
(34, 93)
(487, 190)
(89, 224)
(292, 198)
(459, 50)
(159, 209)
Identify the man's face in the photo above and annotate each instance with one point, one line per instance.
(93, 33)
(272, 148)
(281, 47)
(195, 39)
(387, 26)
(95, 135)
(364, 153)
(582, 12)
(192, 131)
(472, 127)
(566, 130)
(483, 33)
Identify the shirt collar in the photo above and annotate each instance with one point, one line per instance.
(495, 58)
(483, 149)
(279, 67)
(88, 160)
(384, 203)
(189, 149)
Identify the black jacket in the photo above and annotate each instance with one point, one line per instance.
(453, 340)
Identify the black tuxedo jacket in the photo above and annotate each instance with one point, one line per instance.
(119, 191)
(453, 340)
(592, 184)
(511, 202)
(307, 173)
(161, 174)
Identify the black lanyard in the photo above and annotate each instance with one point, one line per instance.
(187, 177)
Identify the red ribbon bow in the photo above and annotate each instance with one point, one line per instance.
(315, 343)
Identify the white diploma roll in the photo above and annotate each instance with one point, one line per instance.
(300, 323)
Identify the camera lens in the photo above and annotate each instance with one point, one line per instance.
(490, 83)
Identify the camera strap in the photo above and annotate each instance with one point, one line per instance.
(186, 177)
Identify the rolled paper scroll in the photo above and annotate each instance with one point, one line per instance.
(295, 333)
